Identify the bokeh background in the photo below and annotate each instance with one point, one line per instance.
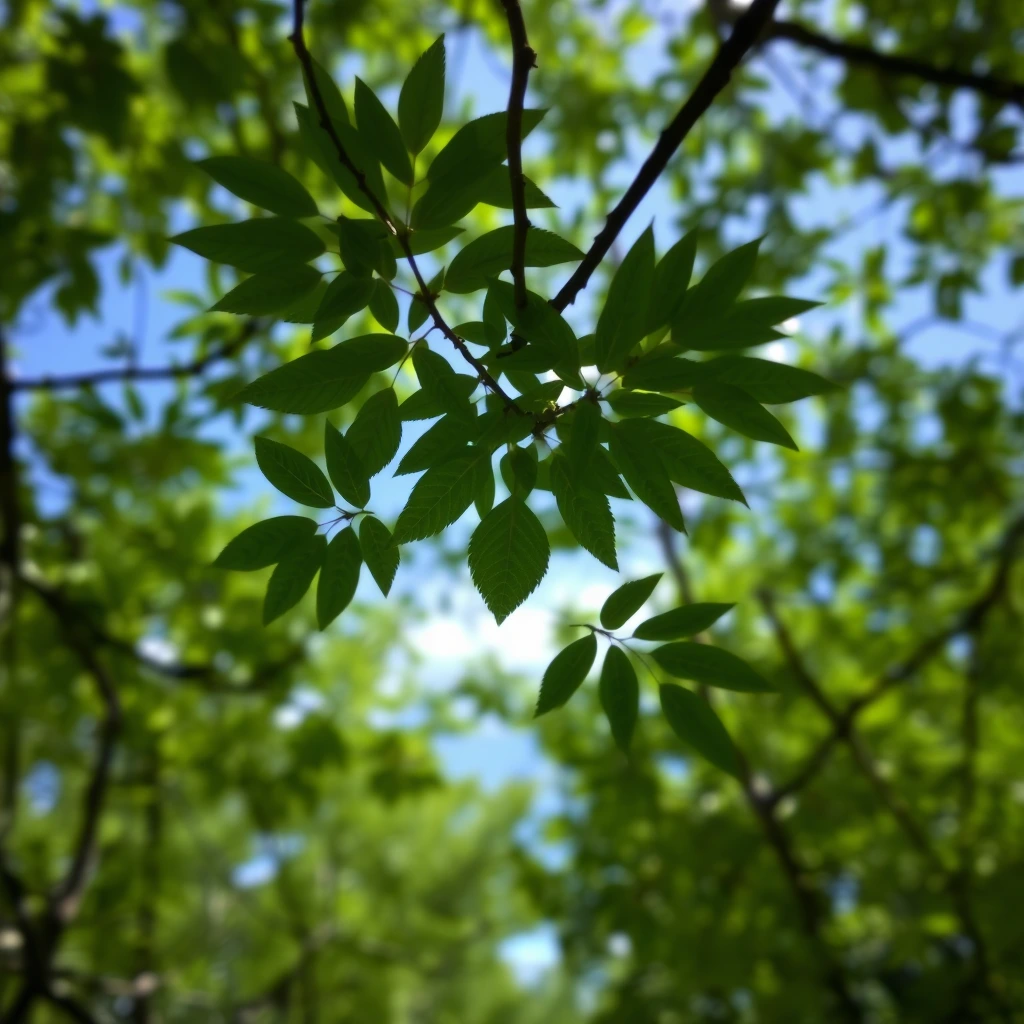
(367, 824)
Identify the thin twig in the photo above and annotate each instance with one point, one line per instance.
(749, 27)
(1004, 89)
(523, 59)
(126, 373)
(297, 39)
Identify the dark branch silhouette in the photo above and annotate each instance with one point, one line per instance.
(523, 58)
(748, 29)
(894, 64)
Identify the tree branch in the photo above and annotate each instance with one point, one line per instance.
(969, 620)
(992, 86)
(206, 675)
(126, 373)
(298, 42)
(746, 33)
(523, 59)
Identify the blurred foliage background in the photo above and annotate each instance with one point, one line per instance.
(201, 820)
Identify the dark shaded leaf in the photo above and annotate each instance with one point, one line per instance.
(623, 320)
(736, 409)
(292, 577)
(347, 472)
(421, 101)
(689, 620)
(339, 577)
(710, 666)
(379, 553)
(263, 544)
(261, 183)
(293, 473)
(380, 133)
(264, 294)
(440, 497)
(624, 603)
(620, 696)
(697, 725)
(565, 674)
(376, 432)
(584, 510)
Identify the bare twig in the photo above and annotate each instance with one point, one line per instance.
(298, 42)
(992, 86)
(523, 58)
(126, 373)
(746, 33)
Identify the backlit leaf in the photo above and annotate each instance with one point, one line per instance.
(440, 497)
(380, 133)
(376, 432)
(736, 409)
(623, 320)
(271, 292)
(490, 254)
(584, 510)
(508, 556)
(255, 246)
(421, 100)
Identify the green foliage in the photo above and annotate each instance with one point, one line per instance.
(866, 866)
(564, 676)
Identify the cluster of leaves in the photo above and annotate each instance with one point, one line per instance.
(691, 718)
(611, 437)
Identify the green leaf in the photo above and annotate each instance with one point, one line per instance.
(325, 379)
(518, 469)
(323, 151)
(445, 440)
(334, 102)
(645, 472)
(263, 544)
(620, 696)
(380, 133)
(363, 245)
(256, 246)
(564, 676)
(624, 603)
(689, 620)
(671, 279)
(721, 285)
(379, 553)
(508, 556)
(440, 382)
(628, 404)
(584, 433)
(697, 725)
(710, 666)
(661, 372)
(623, 320)
(384, 305)
(483, 488)
(264, 294)
(339, 577)
(688, 462)
(584, 510)
(347, 472)
(606, 477)
(481, 143)
(490, 254)
(425, 241)
(376, 432)
(736, 409)
(767, 381)
(345, 295)
(292, 577)
(293, 473)
(495, 189)
(421, 101)
(261, 183)
(738, 326)
(440, 497)
(540, 324)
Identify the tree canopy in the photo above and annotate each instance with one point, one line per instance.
(681, 337)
